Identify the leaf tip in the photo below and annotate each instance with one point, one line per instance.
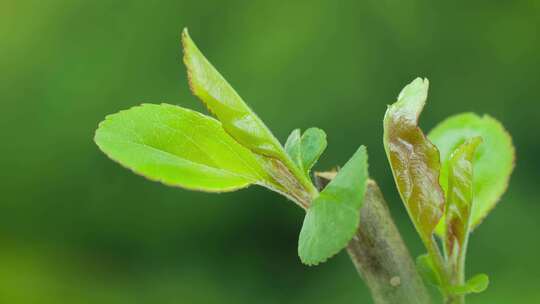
(185, 38)
(479, 283)
(310, 262)
(418, 84)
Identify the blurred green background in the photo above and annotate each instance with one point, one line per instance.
(77, 228)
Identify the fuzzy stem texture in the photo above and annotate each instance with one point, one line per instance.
(381, 257)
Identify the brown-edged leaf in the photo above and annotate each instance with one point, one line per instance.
(414, 159)
(459, 196)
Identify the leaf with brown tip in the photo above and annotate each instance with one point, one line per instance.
(414, 159)
(493, 162)
(459, 197)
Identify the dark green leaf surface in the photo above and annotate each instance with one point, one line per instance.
(178, 147)
(493, 162)
(459, 196)
(332, 219)
(305, 150)
(223, 101)
(414, 159)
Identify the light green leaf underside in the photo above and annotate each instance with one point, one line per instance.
(305, 150)
(178, 147)
(476, 284)
(332, 219)
(493, 162)
(223, 101)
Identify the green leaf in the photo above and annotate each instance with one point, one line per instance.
(414, 159)
(332, 219)
(222, 100)
(240, 122)
(306, 150)
(476, 284)
(178, 147)
(293, 147)
(493, 162)
(426, 269)
(459, 197)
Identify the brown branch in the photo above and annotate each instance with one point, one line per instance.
(381, 257)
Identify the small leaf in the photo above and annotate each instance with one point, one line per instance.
(332, 219)
(414, 159)
(241, 123)
(459, 197)
(426, 269)
(293, 147)
(223, 101)
(306, 150)
(178, 147)
(313, 145)
(476, 284)
(493, 162)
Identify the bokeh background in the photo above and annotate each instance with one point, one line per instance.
(77, 228)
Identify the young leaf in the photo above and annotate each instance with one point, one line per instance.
(178, 147)
(459, 197)
(414, 159)
(493, 162)
(313, 145)
(332, 219)
(476, 284)
(293, 147)
(243, 124)
(426, 269)
(222, 100)
(306, 150)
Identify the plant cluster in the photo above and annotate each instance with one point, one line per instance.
(448, 180)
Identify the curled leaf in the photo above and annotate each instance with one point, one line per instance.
(178, 147)
(223, 101)
(459, 197)
(240, 122)
(414, 159)
(333, 217)
(493, 161)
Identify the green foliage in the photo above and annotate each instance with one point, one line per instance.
(476, 284)
(239, 121)
(493, 162)
(459, 198)
(427, 270)
(293, 147)
(455, 178)
(451, 172)
(178, 147)
(414, 159)
(305, 150)
(223, 101)
(332, 219)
